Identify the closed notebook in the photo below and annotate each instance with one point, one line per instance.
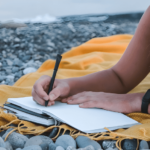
(88, 120)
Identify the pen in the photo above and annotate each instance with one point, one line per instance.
(58, 59)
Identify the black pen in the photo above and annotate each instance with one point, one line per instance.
(58, 59)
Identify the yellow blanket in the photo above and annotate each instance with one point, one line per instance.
(95, 55)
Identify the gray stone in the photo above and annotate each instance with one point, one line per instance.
(18, 149)
(17, 40)
(44, 146)
(59, 148)
(38, 140)
(83, 141)
(52, 146)
(143, 145)
(2, 143)
(9, 62)
(26, 57)
(15, 69)
(18, 74)
(15, 139)
(2, 78)
(2, 133)
(17, 62)
(8, 71)
(65, 141)
(49, 43)
(0, 64)
(32, 147)
(29, 70)
(29, 135)
(8, 146)
(53, 132)
(70, 148)
(109, 144)
(1, 148)
(129, 144)
(110, 148)
(90, 147)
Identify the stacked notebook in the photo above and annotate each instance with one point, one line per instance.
(88, 120)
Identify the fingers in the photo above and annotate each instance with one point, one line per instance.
(56, 93)
(89, 104)
(77, 99)
(41, 86)
(37, 99)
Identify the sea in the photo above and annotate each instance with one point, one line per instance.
(35, 11)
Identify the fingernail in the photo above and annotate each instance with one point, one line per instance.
(70, 101)
(45, 98)
(80, 105)
(52, 96)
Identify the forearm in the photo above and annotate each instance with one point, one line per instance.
(103, 81)
(128, 72)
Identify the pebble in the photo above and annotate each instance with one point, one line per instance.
(44, 146)
(52, 146)
(65, 141)
(38, 140)
(109, 144)
(8, 146)
(59, 148)
(129, 144)
(70, 148)
(83, 141)
(15, 69)
(29, 70)
(53, 132)
(18, 149)
(17, 62)
(9, 62)
(15, 139)
(90, 147)
(2, 133)
(143, 145)
(2, 143)
(2, 78)
(1, 148)
(29, 135)
(26, 57)
(32, 147)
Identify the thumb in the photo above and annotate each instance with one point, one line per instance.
(55, 93)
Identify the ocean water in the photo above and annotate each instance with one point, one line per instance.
(49, 10)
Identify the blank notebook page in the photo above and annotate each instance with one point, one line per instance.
(88, 120)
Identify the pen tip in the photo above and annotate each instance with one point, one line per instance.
(46, 103)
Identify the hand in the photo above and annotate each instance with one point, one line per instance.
(124, 103)
(60, 90)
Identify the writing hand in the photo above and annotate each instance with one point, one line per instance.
(39, 92)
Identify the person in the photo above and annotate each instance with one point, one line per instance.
(106, 89)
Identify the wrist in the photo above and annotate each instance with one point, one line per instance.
(136, 102)
(70, 82)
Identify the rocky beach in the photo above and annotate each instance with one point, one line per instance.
(25, 46)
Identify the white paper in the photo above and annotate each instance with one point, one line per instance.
(88, 120)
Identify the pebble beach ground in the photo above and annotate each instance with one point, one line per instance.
(24, 47)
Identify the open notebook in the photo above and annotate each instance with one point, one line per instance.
(88, 120)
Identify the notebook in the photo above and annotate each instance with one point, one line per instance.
(88, 120)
